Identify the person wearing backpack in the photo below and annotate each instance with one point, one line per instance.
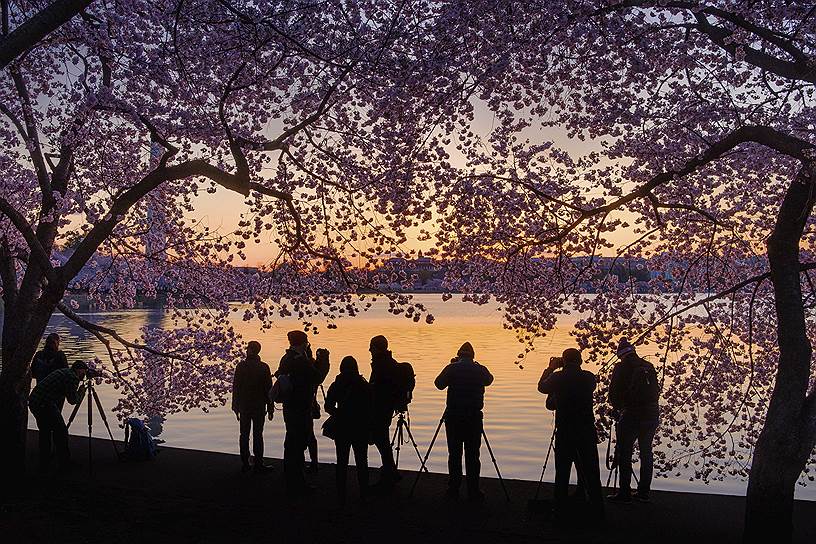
(303, 373)
(348, 402)
(387, 395)
(465, 380)
(251, 404)
(633, 393)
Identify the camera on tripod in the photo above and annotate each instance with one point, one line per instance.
(93, 373)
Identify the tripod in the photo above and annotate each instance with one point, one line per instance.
(93, 398)
(430, 447)
(403, 428)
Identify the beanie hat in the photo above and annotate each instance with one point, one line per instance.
(466, 351)
(624, 348)
(378, 343)
(297, 338)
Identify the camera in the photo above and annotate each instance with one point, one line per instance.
(93, 373)
(556, 362)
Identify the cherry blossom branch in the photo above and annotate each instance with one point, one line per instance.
(767, 136)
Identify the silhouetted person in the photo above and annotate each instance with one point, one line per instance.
(349, 401)
(385, 398)
(48, 359)
(633, 393)
(570, 392)
(45, 401)
(465, 380)
(250, 402)
(304, 373)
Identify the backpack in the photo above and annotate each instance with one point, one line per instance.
(643, 387)
(281, 390)
(139, 444)
(406, 382)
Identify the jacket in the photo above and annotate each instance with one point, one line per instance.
(250, 386)
(465, 381)
(349, 400)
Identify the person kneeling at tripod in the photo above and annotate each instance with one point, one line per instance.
(45, 402)
(465, 381)
(569, 393)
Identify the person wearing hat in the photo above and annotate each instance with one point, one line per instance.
(385, 394)
(465, 380)
(634, 393)
(45, 402)
(251, 404)
(569, 392)
(304, 373)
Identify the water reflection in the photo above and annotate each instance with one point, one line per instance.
(516, 420)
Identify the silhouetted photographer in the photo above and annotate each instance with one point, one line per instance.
(390, 390)
(633, 393)
(298, 375)
(45, 402)
(348, 403)
(570, 389)
(465, 380)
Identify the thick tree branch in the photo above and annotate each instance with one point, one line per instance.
(29, 34)
(34, 246)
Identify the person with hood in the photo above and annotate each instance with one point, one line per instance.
(465, 380)
(45, 403)
(304, 373)
(348, 401)
(48, 359)
(634, 393)
(250, 403)
(569, 392)
(385, 398)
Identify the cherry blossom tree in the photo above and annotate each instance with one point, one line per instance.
(697, 123)
(323, 116)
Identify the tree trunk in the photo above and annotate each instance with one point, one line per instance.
(787, 438)
(21, 336)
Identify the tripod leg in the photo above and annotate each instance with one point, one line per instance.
(544, 468)
(399, 439)
(427, 454)
(73, 415)
(416, 448)
(496, 465)
(90, 429)
(105, 421)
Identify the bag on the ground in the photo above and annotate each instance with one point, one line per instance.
(406, 382)
(643, 389)
(281, 389)
(330, 427)
(139, 445)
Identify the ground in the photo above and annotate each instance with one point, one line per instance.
(193, 496)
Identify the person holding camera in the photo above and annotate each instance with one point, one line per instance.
(386, 399)
(251, 404)
(634, 393)
(45, 403)
(303, 372)
(465, 380)
(569, 391)
(348, 401)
